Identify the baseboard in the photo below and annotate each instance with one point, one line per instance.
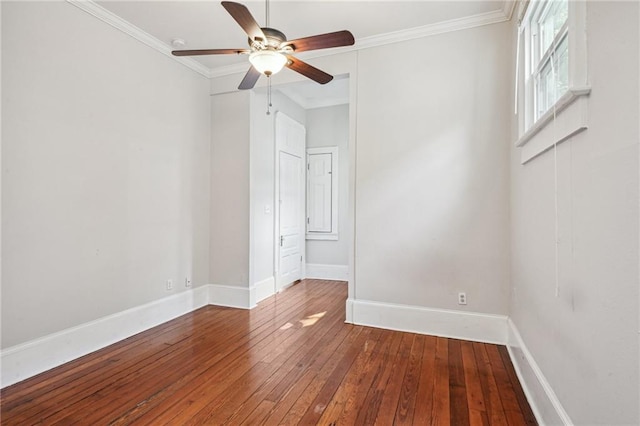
(437, 322)
(36, 356)
(327, 272)
(231, 296)
(545, 404)
(261, 290)
(349, 311)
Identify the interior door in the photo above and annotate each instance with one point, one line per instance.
(290, 182)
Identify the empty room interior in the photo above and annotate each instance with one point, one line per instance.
(341, 212)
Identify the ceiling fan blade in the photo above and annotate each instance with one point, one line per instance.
(322, 41)
(307, 70)
(209, 52)
(243, 17)
(250, 79)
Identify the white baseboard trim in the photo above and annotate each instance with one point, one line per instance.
(327, 272)
(472, 326)
(544, 403)
(349, 311)
(36, 356)
(261, 290)
(230, 296)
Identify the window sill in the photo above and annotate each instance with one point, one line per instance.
(322, 236)
(568, 122)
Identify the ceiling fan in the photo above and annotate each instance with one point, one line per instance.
(269, 50)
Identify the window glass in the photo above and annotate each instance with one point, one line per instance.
(553, 79)
(551, 21)
(549, 39)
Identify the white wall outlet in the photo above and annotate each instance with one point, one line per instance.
(462, 298)
(187, 282)
(169, 285)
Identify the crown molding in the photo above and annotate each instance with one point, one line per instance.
(494, 17)
(508, 7)
(459, 24)
(126, 27)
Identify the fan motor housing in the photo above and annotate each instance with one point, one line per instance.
(274, 38)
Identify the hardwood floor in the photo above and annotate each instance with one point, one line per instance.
(292, 360)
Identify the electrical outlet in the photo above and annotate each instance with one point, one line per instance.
(187, 282)
(462, 298)
(169, 285)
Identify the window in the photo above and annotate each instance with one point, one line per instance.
(552, 48)
(322, 193)
(549, 64)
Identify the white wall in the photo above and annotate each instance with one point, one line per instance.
(104, 171)
(229, 237)
(585, 341)
(432, 176)
(329, 126)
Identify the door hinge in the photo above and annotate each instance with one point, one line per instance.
(307, 221)
(307, 166)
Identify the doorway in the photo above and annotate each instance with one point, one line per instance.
(290, 200)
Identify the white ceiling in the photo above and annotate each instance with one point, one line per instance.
(206, 24)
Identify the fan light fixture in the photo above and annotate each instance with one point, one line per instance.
(268, 62)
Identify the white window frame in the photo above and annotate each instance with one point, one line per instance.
(569, 112)
(333, 235)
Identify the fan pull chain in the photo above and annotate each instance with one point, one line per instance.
(269, 104)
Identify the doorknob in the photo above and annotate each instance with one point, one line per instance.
(281, 240)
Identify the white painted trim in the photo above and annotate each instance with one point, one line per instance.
(126, 27)
(437, 28)
(349, 311)
(544, 403)
(327, 272)
(262, 289)
(230, 296)
(320, 236)
(472, 326)
(566, 119)
(508, 8)
(335, 178)
(36, 356)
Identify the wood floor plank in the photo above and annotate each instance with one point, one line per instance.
(331, 384)
(441, 414)
(407, 400)
(290, 361)
(310, 394)
(424, 408)
(350, 382)
(362, 380)
(371, 406)
(475, 397)
(389, 404)
(297, 355)
(493, 404)
(458, 404)
(194, 395)
(525, 408)
(507, 395)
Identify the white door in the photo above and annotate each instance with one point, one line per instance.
(290, 190)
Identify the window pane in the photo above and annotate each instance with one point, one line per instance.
(551, 20)
(553, 79)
